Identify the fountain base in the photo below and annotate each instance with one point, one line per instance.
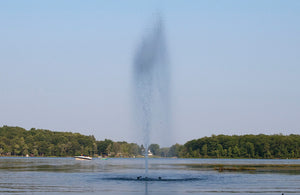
(148, 179)
(154, 179)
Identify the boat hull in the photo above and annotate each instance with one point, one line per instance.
(82, 158)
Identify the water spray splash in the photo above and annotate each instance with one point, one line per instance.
(151, 84)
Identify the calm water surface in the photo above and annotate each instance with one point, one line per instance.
(118, 176)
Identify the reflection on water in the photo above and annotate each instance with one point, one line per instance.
(146, 187)
(166, 176)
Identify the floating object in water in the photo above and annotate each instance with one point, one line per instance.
(83, 158)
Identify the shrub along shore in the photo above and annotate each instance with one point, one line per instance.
(17, 141)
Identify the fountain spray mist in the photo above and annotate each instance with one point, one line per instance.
(151, 86)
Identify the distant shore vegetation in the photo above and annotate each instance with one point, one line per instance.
(17, 141)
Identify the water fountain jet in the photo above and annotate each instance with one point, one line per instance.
(151, 85)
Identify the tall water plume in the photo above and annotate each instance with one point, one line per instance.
(151, 86)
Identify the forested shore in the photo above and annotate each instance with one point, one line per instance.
(16, 141)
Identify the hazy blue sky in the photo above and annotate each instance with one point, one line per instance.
(67, 66)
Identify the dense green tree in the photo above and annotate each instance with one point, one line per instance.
(204, 150)
(174, 150)
(134, 149)
(164, 152)
(154, 148)
(102, 146)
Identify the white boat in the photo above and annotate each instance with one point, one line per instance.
(83, 158)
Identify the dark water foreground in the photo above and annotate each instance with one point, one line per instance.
(166, 176)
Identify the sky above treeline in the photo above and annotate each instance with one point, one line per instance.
(67, 66)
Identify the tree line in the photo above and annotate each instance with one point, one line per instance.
(17, 141)
(243, 146)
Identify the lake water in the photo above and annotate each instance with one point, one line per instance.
(119, 176)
